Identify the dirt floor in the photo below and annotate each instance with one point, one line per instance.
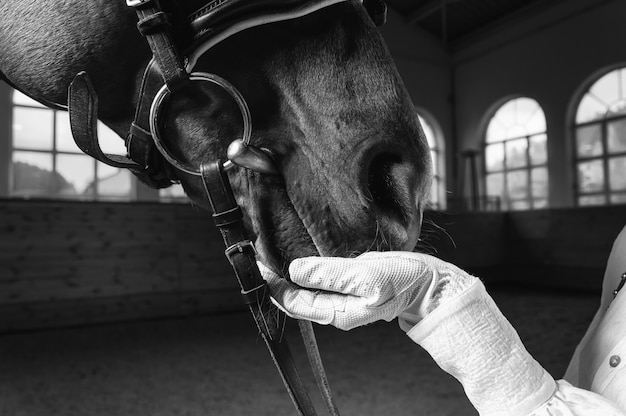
(216, 365)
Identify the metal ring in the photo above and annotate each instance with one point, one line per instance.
(164, 92)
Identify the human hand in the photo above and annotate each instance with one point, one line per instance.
(348, 293)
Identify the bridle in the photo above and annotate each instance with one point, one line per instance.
(176, 48)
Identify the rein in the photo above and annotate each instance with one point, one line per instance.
(171, 71)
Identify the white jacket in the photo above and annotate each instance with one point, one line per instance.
(599, 362)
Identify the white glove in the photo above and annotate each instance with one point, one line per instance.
(348, 293)
(448, 313)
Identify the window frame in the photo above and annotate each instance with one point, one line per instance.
(605, 155)
(138, 191)
(54, 152)
(506, 203)
(439, 177)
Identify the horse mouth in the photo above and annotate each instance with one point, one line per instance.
(303, 228)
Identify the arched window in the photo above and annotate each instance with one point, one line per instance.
(45, 161)
(516, 155)
(600, 142)
(435, 142)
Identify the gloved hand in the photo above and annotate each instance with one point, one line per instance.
(446, 311)
(348, 293)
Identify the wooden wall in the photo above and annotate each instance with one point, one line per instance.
(558, 248)
(72, 263)
(79, 263)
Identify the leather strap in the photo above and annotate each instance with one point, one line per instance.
(83, 109)
(241, 254)
(142, 159)
(154, 25)
(315, 360)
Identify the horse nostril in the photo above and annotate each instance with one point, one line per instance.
(388, 184)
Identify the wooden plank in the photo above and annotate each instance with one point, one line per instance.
(95, 311)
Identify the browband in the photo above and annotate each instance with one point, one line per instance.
(220, 20)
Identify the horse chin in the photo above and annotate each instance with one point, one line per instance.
(286, 229)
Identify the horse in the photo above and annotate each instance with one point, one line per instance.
(316, 93)
(325, 98)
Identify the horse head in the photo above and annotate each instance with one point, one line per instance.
(329, 106)
(325, 99)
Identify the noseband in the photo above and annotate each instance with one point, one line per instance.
(171, 72)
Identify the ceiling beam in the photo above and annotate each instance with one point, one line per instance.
(426, 10)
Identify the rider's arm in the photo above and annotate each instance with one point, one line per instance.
(447, 312)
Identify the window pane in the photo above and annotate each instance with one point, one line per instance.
(32, 128)
(516, 118)
(65, 141)
(494, 157)
(78, 171)
(433, 156)
(434, 193)
(173, 193)
(622, 83)
(529, 115)
(495, 184)
(617, 173)
(540, 203)
(589, 140)
(607, 88)
(590, 109)
(537, 122)
(590, 176)
(591, 200)
(496, 131)
(538, 150)
(113, 182)
(616, 132)
(428, 132)
(618, 198)
(617, 109)
(32, 174)
(110, 142)
(539, 182)
(516, 153)
(517, 184)
(22, 99)
(506, 114)
(520, 205)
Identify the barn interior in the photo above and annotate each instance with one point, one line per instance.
(116, 298)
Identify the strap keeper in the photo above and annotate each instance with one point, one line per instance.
(231, 216)
(153, 23)
(240, 248)
(140, 133)
(252, 296)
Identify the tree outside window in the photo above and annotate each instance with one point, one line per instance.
(600, 142)
(516, 156)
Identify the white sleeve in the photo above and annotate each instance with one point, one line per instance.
(470, 339)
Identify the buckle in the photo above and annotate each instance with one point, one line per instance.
(257, 296)
(240, 248)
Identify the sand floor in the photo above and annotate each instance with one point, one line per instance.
(216, 365)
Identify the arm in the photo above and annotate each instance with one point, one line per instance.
(447, 312)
